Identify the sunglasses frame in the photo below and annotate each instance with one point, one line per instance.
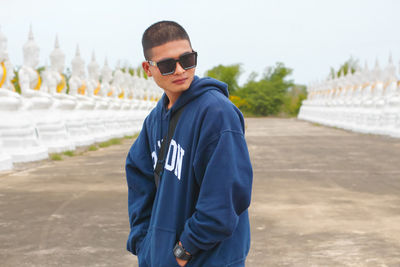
(155, 64)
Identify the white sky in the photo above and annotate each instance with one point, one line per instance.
(309, 36)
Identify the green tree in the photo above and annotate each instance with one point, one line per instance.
(293, 99)
(227, 74)
(267, 95)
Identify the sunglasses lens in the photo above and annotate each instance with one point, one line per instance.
(166, 66)
(188, 61)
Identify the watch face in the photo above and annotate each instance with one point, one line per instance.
(179, 251)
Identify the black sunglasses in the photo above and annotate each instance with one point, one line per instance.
(168, 66)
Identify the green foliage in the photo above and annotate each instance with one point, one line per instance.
(114, 141)
(67, 76)
(15, 82)
(93, 148)
(266, 96)
(55, 157)
(227, 74)
(140, 71)
(273, 94)
(41, 69)
(69, 153)
(350, 64)
(293, 99)
(131, 136)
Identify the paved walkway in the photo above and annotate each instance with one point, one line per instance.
(321, 197)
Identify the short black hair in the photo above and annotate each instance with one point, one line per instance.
(160, 33)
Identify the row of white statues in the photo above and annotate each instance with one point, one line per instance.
(45, 119)
(366, 101)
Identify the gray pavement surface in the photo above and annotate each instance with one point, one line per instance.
(321, 197)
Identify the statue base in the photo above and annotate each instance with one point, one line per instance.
(5, 162)
(20, 138)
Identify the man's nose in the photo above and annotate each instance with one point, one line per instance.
(179, 69)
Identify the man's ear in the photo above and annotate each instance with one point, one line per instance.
(146, 67)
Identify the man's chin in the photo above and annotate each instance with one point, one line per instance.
(181, 87)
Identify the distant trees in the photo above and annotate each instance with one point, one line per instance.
(272, 94)
(228, 74)
(350, 64)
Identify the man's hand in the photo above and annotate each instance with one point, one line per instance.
(181, 263)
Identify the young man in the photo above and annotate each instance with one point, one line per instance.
(197, 216)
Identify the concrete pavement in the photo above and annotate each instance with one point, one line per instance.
(321, 197)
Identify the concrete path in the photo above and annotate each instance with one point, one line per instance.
(321, 197)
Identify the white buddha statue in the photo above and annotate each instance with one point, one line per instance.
(106, 77)
(134, 88)
(388, 113)
(77, 83)
(29, 79)
(95, 118)
(355, 101)
(111, 117)
(18, 136)
(40, 102)
(135, 102)
(118, 90)
(126, 117)
(376, 109)
(396, 99)
(347, 100)
(118, 82)
(153, 94)
(392, 100)
(93, 77)
(105, 111)
(56, 81)
(77, 118)
(95, 89)
(9, 99)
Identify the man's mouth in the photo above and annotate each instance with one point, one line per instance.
(179, 81)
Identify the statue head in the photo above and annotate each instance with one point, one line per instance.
(57, 57)
(3, 47)
(106, 72)
(377, 72)
(390, 70)
(31, 51)
(94, 68)
(78, 64)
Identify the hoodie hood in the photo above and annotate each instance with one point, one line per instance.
(198, 87)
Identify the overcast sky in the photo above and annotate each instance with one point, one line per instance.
(309, 36)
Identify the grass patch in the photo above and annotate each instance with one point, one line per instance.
(56, 157)
(131, 136)
(317, 124)
(114, 141)
(69, 153)
(93, 148)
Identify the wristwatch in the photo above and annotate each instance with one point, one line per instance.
(181, 253)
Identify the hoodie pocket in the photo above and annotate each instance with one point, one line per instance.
(161, 248)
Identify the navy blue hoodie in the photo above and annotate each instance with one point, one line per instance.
(205, 187)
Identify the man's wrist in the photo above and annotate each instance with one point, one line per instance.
(181, 253)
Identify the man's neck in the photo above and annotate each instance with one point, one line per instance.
(172, 99)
